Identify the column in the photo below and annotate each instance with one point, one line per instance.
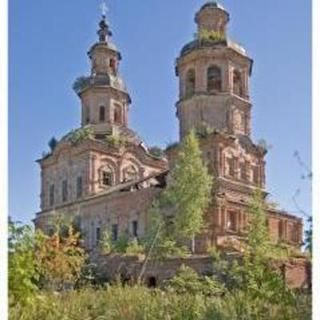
(245, 83)
(92, 181)
(224, 219)
(228, 79)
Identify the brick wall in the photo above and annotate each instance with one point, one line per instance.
(297, 272)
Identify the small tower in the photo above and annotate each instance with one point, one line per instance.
(213, 73)
(104, 97)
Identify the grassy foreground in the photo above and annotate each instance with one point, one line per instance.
(131, 303)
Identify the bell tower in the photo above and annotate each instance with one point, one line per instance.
(104, 97)
(213, 76)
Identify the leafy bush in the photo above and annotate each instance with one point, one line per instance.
(134, 248)
(79, 135)
(204, 130)
(187, 281)
(157, 152)
(168, 248)
(106, 242)
(60, 258)
(116, 140)
(211, 35)
(124, 245)
(121, 245)
(22, 268)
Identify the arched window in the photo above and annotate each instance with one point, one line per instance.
(230, 167)
(232, 221)
(117, 114)
(214, 82)
(51, 195)
(112, 64)
(237, 86)
(79, 187)
(87, 114)
(190, 82)
(281, 229)
(130, 173)
(152, 282)
(255, 175)
(102, 113)
(243, 171)
(107, 177)
(238, 121)
(64, 190)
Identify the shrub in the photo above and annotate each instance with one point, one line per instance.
(211, 35)
(106, 242)
(204, 130)
(134, 248)
(157, 152)
(187, 281)
(59, 258)
(23, 274)
(79, 135)
(116, 140)
(121, 245)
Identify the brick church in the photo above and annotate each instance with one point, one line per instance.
(103, 176)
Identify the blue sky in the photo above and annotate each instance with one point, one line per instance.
(48, 41)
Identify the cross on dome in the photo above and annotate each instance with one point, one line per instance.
(104, 8)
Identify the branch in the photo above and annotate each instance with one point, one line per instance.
(144, 266)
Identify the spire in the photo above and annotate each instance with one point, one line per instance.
(104, 31)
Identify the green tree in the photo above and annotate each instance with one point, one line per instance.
(259, 276)
(178, 212)
(308, 237)
(22, 270)
(258, 237)
(189, 189)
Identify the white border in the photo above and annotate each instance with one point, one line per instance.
(3, 157)
(316, 155)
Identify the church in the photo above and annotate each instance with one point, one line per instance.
(103, 176)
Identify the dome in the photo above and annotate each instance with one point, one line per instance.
(213, 5)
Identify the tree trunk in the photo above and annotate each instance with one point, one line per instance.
(144, 265)
(193, 244)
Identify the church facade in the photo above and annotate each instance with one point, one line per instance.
(103, 175)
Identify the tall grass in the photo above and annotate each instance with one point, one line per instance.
(135, 303)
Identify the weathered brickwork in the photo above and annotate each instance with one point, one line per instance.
(214, 101)
(296, 272)
(116, 212)
(108, 178)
